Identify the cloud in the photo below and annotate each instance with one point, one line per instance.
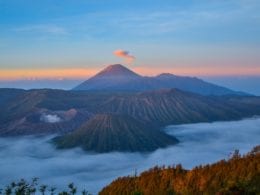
(42, 28)
(49, 118)
(124, 54)
(200, 144)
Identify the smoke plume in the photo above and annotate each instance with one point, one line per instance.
(124, 54)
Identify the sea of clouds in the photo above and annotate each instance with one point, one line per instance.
(200, 143)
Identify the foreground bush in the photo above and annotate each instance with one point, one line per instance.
(24, 187)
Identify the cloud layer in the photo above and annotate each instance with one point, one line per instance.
(42, 28)
(50, 118)
(124, 54)
(200, 143)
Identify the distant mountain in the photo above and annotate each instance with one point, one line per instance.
(119, 78)
(193, 84)
(110, 132)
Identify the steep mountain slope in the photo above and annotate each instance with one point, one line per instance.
(110, 132)
(119, 78)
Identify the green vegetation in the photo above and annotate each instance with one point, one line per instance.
(240, 175)
(24, 187)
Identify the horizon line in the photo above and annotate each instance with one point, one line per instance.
(85, 73)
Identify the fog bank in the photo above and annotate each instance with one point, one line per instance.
(201, 143)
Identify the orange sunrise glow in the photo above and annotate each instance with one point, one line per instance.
(82, 73)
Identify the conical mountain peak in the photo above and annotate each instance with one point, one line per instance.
(114, 77)
(116, 70)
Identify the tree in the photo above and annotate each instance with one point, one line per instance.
(72, 188)
(43, 189)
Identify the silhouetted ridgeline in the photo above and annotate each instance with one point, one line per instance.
(239, 175)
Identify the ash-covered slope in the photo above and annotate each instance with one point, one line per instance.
(119, 78)
(173, 106)
(110, 132)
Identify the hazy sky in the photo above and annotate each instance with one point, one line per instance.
(74, 39)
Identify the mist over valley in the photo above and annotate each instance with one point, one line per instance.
(201, 143)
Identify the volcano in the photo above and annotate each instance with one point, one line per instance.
(112, 132)
(119, 78)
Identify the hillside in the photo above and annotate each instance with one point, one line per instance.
(118, 78)
(110, 132)
(240, 175)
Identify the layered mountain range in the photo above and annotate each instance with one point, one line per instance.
(116, 119)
